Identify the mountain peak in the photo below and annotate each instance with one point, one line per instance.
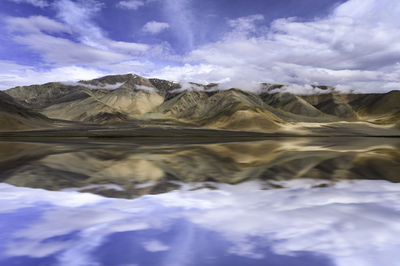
(117, 98)
(116, 81)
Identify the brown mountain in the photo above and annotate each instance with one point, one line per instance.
(131, 99)
(14, 116)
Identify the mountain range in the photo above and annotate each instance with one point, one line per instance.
(131, 103)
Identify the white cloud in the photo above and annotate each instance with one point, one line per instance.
(93, 48)
(145, 88)
(26, 75)
(155, 27)
(105, 87)
(155, 246)
(38, 3)
(79, 15)
(127, 46)
(246, 26)
(131, 4)
(201, 73)
(61, 51)
(35, 24)
(130, 66)
(35, 33)
(356, 46)
(76, 17)
(180, 16)
(72, 42)
(13, 74)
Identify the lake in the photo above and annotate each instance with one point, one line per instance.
(130, 202)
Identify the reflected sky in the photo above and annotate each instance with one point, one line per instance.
(350, 223)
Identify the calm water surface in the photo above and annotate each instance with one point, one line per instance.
(272, 202)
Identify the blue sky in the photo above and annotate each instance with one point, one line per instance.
(349, 44)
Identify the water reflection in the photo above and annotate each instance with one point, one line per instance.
(350, 223)
(311, 202)
(128, 170)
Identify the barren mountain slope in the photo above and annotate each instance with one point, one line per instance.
(188, 104)
(383, 108)
(334, 103)
(135, 99)
(291, 103)
(132, 96)
(40, 96)
(14, 116)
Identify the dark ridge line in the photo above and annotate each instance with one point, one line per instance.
(122, 136)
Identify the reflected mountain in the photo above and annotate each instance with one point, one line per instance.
(127, 169)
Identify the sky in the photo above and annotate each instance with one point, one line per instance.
(353, 44)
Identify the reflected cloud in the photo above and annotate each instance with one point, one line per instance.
(349, 223)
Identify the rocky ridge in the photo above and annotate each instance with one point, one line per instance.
(124, 98)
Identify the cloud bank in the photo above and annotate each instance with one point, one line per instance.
(131, 4)
(38, 3)
(355, 47)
